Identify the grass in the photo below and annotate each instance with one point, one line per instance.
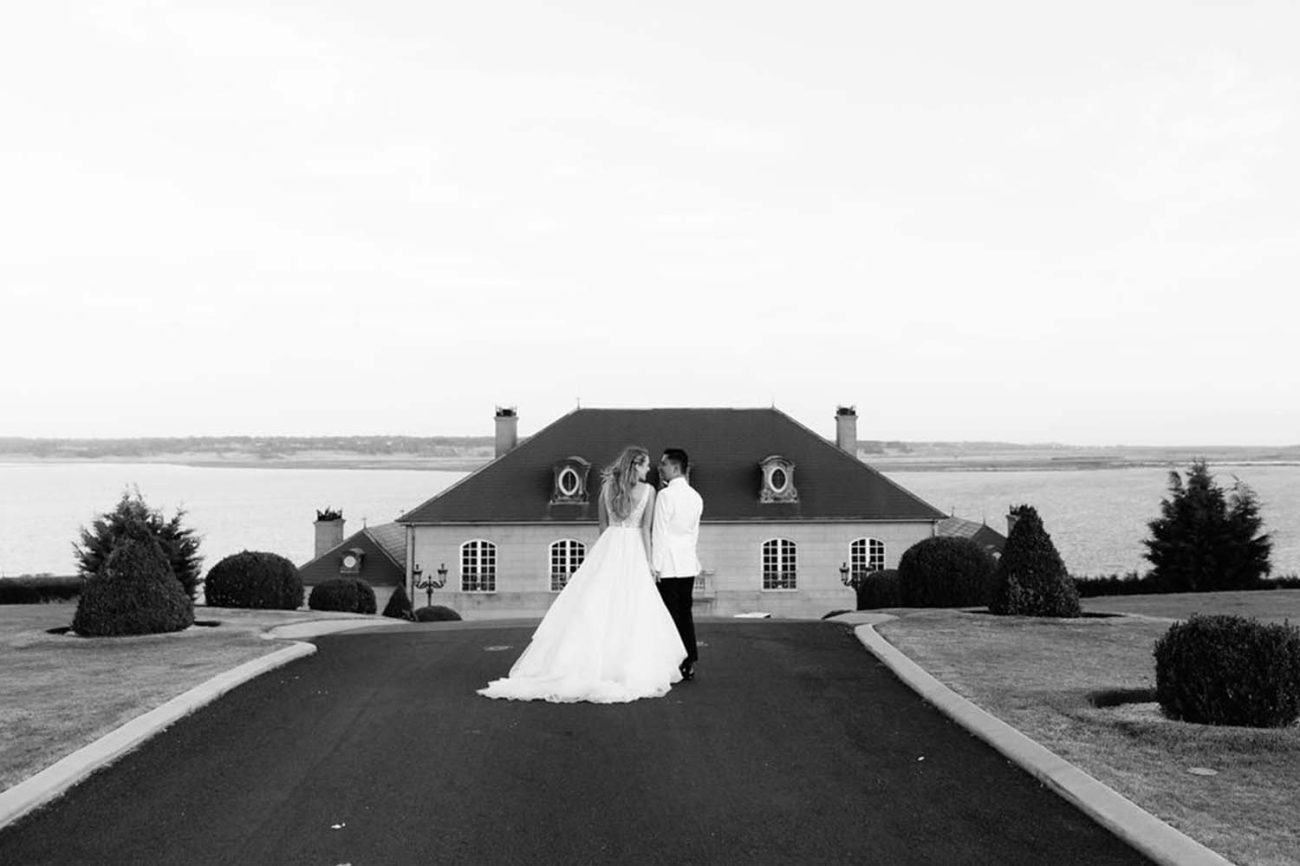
(1041, 676)
(62, 692)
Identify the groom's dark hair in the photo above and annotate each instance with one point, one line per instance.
(678, 456)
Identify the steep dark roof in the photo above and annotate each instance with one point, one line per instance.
(382, 565)
(725, 447)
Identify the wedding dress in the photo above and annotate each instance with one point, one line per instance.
(607, 637)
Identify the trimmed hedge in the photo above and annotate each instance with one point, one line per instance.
(879, 589)
(945, 572)
(1031, 579)
(39, 589)
(1229, 670)
(399, 605)
(134, 593)
(436, 613)
(254, 579)
(346, 594)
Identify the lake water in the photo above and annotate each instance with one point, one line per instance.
(1097, 517)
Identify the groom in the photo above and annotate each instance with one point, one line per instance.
(673, 538)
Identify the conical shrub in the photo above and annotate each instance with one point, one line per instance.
(1031, 579)
(134, 592)
(399, 604)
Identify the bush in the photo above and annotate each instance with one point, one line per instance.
(1229, 670)
(1205, 540)
(134, 593)
(879, 589)
(347, 594)
(436, 613)
(254, 579)
(945, 572)
(1030, 579)
(132, 516)
(39, 589)
(399, 605)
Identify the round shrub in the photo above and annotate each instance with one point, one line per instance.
(1229, 670)
(255, 579)
(346, 594)
(399, 604)
(436, 613)
(945, 572)
(133, 593)
(879, 589)
(1030, 579)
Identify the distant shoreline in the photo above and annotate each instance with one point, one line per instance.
(889, 463)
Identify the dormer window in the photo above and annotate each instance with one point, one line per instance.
(570, 481)
(778, 480)
(350, 563)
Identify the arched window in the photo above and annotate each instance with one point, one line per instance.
(779, 565)
(866, 556)
(566, 555)
(478, 566)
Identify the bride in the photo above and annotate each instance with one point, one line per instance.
(607, 637)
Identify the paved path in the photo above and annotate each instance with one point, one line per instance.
(793, 745)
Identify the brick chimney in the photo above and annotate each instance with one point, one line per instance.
(846, 429)
(1012, 517)
(507, 429)
(329, 530)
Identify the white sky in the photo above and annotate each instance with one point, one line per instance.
(997, 220)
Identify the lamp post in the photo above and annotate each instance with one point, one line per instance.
(429, 584)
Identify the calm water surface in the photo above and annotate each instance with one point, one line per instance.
(1096, 517)
(43, 505)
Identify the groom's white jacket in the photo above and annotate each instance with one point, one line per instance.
(675, 532)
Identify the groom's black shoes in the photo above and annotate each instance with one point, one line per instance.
(688, 671)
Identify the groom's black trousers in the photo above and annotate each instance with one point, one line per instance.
(676, 593)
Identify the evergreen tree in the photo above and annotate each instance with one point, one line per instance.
(1207, 540)
(132, 517)
(134, 593)
(1031, 579)
(399, 604)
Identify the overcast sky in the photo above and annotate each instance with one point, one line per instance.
(973, 221)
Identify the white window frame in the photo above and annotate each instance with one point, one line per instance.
(785, 555)
(483, 566)
(866, 556)
(570, 474)
(572, 553)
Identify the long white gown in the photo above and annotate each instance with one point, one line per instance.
(607, 637)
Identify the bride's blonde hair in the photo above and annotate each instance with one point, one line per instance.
(620, 480)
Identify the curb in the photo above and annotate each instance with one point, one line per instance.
(1148, 834)
(57, 778)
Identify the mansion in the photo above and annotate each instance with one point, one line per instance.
(788, 514)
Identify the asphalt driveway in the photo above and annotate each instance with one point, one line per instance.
(793, 745)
